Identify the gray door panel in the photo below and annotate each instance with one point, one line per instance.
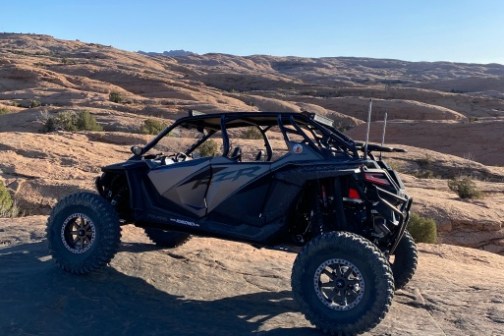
(228, 178)
(184, 183)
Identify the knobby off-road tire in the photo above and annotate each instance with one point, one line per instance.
(343, 283)
(405, 261)
(83, 233)
(167, 238)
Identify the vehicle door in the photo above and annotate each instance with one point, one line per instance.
(240, 181)
(182, 178)
(184, 184)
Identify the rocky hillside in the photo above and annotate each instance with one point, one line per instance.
(40, 70)
(451, 116)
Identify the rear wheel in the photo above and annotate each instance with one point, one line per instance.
(343, 283)
(404, 261)
(83, 233)
(167, 238)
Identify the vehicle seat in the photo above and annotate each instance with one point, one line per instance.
(236, 155)
(259, 155)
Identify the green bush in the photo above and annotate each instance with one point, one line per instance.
(7, 205)
(115, 97)
(65, 121)
(35, 103)
(86, 122)
(71, 122)
(423, 229)
(425, 174)
(252, 133)
(4, 110)
(425, 166)
(209, 148)
(464, 187)
(152, 126)
(425, 162)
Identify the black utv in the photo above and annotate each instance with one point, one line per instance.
(288, 181)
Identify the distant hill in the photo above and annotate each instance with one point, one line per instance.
(171, 53)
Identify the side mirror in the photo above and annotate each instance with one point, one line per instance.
(137, 150)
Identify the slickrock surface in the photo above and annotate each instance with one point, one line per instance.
(214, 287)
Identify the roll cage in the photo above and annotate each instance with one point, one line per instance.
(323, 138)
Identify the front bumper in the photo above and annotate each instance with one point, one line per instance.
(396, 210)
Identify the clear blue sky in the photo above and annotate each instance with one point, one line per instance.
(414, 30)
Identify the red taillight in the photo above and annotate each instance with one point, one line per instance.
(353, 194)
(376, 178)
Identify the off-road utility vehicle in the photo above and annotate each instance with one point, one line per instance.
(288, 181)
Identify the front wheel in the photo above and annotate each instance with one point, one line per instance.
(404, 260)
(83, 233)
(342, 283)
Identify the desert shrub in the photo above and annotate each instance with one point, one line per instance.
(50, 125)
(426, 174)
(4, 110)
(209, 148)
(152, 126)
(425, 162)
(423, 229)
(115, 97)
(86, 122)
(464, 187)
(425, 165)
(251, 133)
(65, 120)
(35, 103)
(71, 122)
(7, 206)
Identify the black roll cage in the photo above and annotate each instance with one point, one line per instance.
(221, 121)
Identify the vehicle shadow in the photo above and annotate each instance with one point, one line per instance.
(138, 247)
(36, 298)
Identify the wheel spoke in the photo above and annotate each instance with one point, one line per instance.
(78, 243)
(338, 270)
(332, 294)
(338, 298)
(348, 272)
(328, 273)
(327, 293)
(352, 282)
(351, 296)
(329, 284)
